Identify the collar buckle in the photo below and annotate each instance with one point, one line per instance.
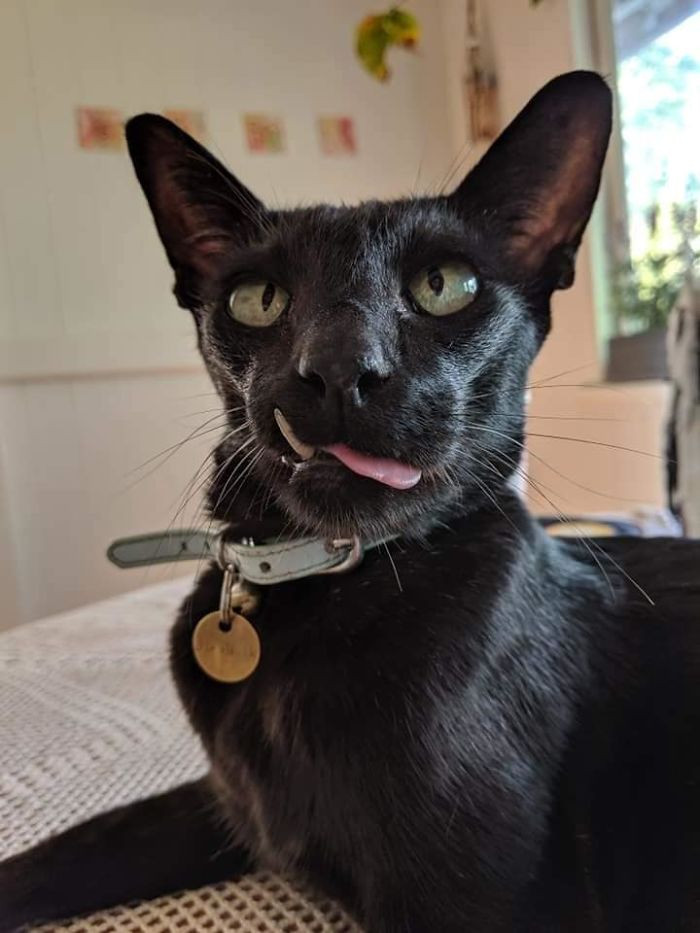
(354, 556)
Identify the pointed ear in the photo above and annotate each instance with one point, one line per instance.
(537, 183)
(201, 210)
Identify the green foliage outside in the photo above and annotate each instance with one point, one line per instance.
(645, 289)
(659, 93)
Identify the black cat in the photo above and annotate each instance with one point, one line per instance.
(510, 742)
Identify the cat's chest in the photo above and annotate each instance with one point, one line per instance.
(291, 766)
(338, 663)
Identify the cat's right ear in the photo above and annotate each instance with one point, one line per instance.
(202, 212)
(536, 184)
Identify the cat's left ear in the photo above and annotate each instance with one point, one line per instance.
(536, 186)
(202, 212)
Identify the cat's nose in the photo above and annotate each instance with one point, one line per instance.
(353, 376)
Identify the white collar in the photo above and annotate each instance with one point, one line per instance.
(262, 564)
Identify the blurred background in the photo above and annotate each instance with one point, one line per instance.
(333, 100)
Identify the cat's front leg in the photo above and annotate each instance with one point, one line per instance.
(457, 863)
(419, 906)
(155, 846)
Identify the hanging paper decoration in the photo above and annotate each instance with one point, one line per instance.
(481, 88)
(191, 121)
(376, 34)
(264, 132)
(100, 128)
(337, 135)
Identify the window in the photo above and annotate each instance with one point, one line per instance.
(657, 50)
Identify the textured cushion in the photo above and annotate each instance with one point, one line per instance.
(90, 720)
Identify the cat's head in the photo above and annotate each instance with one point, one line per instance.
(373, 359)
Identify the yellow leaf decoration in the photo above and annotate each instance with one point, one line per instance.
(378, 33)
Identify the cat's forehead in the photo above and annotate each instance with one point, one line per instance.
(369, 234)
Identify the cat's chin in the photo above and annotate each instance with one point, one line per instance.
(326, 499)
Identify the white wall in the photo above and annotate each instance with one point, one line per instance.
(97, 365)
(83, 282)
(71, 448)
(9, 592)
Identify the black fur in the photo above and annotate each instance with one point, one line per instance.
(507, 743)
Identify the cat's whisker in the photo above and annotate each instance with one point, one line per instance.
(237, 196)
(189, 398)
(419, 170)
(197, 432)
(236, 472)
(587, 542)
(393, 566)
(535, 456)
(265, 491)
(492, 498)
(518, 470)
(279, 469)
(574, 418)
(207, 411)
(229, 459)
(243, 476)
(584, 440)
(193, 488)
(590, 543)
(564, 372)
(457, 161)
(158, 466)
(208, 522)
(470, 409)
(250, 469)
(210, 479)
(580, 537)
(190, 493)
(183, 506)
(600, 387)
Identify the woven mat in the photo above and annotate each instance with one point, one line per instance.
(258, 903)
(89, 721)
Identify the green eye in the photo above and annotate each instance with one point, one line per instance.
(444, 289)
(258, 304)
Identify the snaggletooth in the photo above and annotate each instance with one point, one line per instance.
(305, 451)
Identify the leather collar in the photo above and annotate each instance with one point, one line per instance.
(262, 564)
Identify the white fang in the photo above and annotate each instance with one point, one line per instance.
(305, 451)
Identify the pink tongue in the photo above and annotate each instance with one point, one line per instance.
(390, 472)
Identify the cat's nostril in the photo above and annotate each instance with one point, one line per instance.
(368, 382)
(354, 378)
(315, 381)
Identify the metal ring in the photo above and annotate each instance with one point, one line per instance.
(220, 552)
(353, 557)
(230, 577)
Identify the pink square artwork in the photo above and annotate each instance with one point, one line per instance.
(263, 133)
(191, 121)
(337, 135)
(100, 128)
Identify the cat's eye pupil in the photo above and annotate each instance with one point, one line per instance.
(443, 290)
(436, 281)
(258, 304)
(267, 296)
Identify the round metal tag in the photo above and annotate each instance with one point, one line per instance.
(226, 655)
